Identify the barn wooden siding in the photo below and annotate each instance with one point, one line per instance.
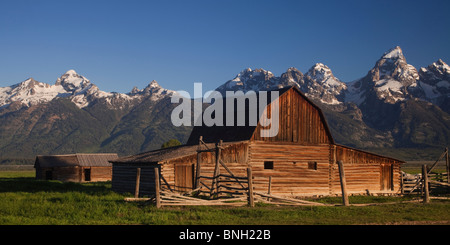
(75, 173)
(124, 178)
(365, 172)
(299, 170)
(300, 121)
(71, 174)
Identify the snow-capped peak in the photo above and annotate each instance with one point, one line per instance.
(321, 84)
(154, 84)
(72, 81)
(30, 92)
(75, 87)
(392, 79)
(393, 53)
(253, 74)
(71, 72)
(249, 79)
(440, 66)
(393, 65)
(322, 74)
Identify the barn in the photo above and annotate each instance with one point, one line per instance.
(301, 160)
(75, 167)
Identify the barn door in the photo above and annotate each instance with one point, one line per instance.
(48, 175)
(87, 174)
(184, 177)
(387, 177)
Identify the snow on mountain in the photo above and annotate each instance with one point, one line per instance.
(394, 53)
(323, 85)
(72, 81)
(434, 84)
(390, 80)
(318, 83)
(437, 77)
(248, 79)
(30, 92)
(76, 87)
(153, 89)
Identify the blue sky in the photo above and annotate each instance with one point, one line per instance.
(122, 44)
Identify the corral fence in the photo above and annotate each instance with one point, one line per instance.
(428, 181)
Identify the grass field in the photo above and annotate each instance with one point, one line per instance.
(26, 201)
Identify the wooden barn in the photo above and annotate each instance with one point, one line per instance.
(300, 161)
(75, 167)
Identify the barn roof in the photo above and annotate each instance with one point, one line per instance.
(79, 159)
(215, 133)
(169, 153)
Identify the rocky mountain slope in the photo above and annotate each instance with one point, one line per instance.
(73, 115)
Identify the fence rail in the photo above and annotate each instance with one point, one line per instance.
(413, 184)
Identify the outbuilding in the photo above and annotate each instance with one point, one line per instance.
(75, 167)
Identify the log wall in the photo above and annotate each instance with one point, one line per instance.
(365, 172)
(69, 174)
(294, 170)
(75, 173)
(124, 178)
(298, 170)
(100, 174)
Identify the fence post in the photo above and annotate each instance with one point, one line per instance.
(448, 166)
(426, 198)
(343, 183)
(215, 180)
(138, 180)
(250, 187)
(402, 183)
(198, 167)
(197, 170)
(157, 188)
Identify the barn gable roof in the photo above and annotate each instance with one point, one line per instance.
(212, 134)
(79, 159)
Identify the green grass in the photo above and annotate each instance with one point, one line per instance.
(26, 201)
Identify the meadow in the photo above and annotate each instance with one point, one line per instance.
(27, 201)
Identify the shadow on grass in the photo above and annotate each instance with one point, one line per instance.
(32, 185)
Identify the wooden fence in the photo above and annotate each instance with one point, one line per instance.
(428, 181)
(237, 197)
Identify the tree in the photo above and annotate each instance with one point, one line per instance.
(171, 143)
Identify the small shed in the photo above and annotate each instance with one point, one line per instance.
(78, 167)
(301, 160)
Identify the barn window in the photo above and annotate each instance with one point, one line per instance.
(268, 165)
(312, 165)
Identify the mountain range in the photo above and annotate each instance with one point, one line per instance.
(395, 109)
